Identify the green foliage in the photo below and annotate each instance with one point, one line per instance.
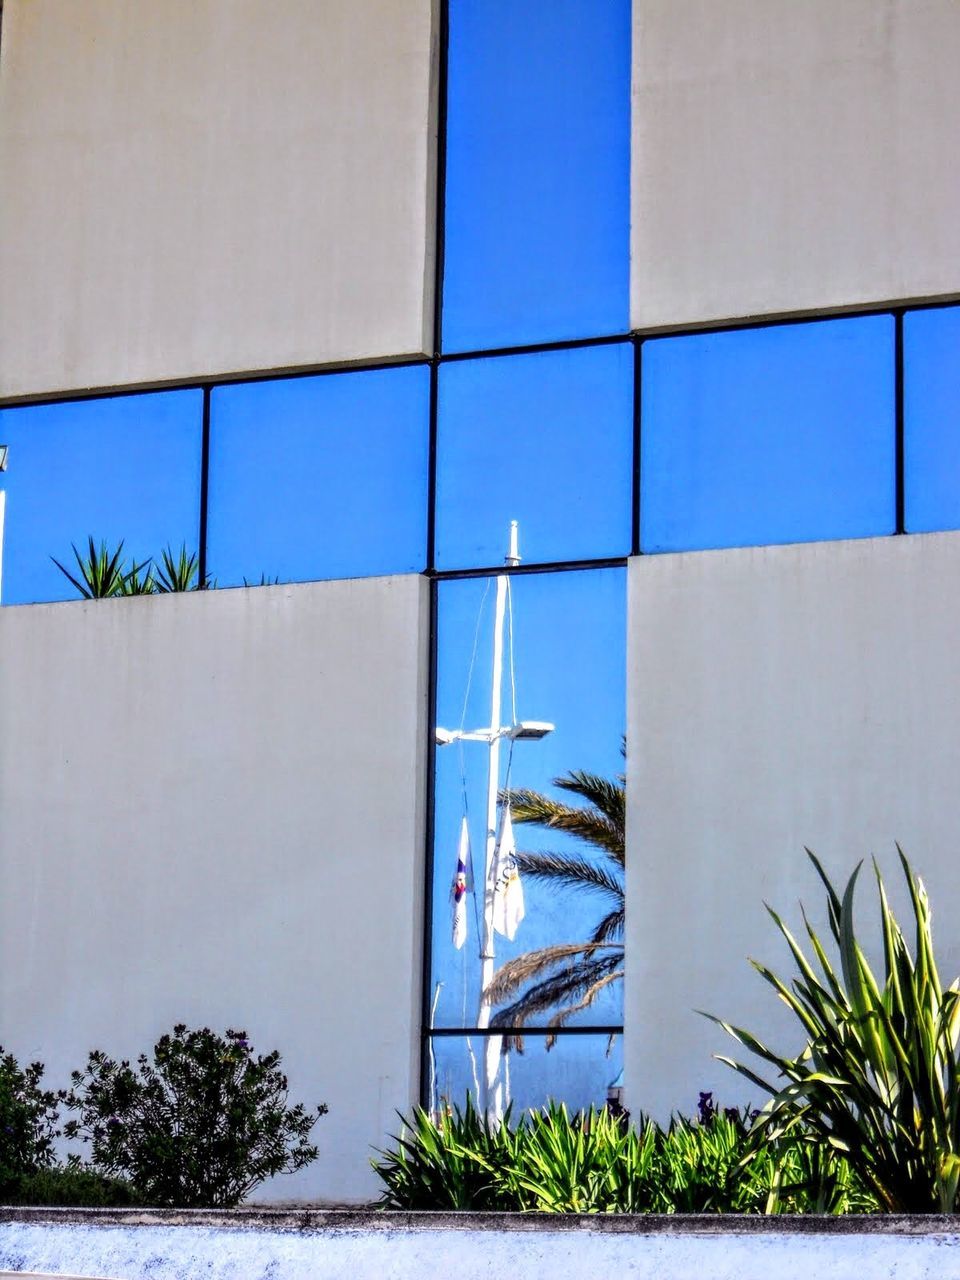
(594, 1162)
(70, 1186)
(200, 1126)
(878, 1078)
(103, 573)
(28, 1121)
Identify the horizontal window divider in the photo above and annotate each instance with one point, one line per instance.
(534, 348)
(518, 570)
(464, 1032)
(424, 358)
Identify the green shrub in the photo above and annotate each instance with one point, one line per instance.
(28, 1120)
(594, 1162)
(70, 1187)
(878, 1078)
(200, 1126)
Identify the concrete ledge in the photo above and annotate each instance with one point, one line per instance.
(323, 1221)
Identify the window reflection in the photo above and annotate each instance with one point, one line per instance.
(120, 468)
(544, 438)
(543, 935)
(319, 477)
(777, 434)
(537, 240)
(931, 355)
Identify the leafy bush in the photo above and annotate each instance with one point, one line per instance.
(200, 1126)
(70, 1186)
(595, 1163)
(28, 1121)
(878, 1078)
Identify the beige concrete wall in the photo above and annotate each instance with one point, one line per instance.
(793, 155)
(212, 812)
(202, 187)
(778, 697)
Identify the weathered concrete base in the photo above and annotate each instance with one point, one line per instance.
(328, 1245)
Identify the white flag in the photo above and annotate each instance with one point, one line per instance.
(459, 890)
(507, 889)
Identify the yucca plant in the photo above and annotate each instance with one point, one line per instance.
(451, 1161)
(180, 571)
(101, 570)
(877, 1078)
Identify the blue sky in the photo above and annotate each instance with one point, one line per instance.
(546, 439)
(777, 434)
(126, 467)
(931, 352)
(538, 172)
(319, 477)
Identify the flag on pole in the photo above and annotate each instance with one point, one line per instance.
(459, 890)
(507, 889)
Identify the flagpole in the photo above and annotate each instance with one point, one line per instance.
(491, 1093)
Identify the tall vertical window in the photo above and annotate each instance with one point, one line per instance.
(537, 227)
(783, 433)
(931, 362)
(319, 477)
(117, 469)
(527, 923)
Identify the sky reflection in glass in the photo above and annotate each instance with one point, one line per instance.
(319, 477)
(118, 468)
(570, 662)
(538, 172)
(931, 429)
(546, 439)
(578, 1070)
(777, 434)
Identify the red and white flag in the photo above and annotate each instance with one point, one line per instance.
(459, 890)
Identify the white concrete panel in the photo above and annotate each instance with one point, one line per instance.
(202, 187)
(779, 697)
(793, 155)
(212, 813)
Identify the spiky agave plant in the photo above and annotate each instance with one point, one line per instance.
(101, 571)
(567, 977)
(878, 1077)
(179, 572)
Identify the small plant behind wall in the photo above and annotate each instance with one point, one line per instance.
(102, 573)
(200, 1126)
(878, 1077)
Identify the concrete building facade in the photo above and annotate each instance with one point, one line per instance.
(328, 295)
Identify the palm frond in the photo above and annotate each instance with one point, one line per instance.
(605, 794)
(510, 977)
(558, 989)
(571, 872)
(586, 824)
(611, 926)
(563, 1016)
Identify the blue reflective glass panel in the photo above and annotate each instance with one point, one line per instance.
(544, 439)
(120, 468)
(319, 477)
(931, 421)
(564, 663)
(779, 434)
(537, 243)
(580, 1070)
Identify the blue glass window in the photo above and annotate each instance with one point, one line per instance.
(544, 439)
(119, 468)
(580, 1070)
(538, 172)
(564, 663)
(778, 434)
(931, 425)
(319, 477)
